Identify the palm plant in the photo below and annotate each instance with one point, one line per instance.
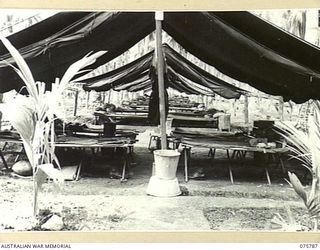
(33, 117)
(305, 147)
(295, 22)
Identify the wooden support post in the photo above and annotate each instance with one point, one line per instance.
(186, 156)
(88, 99)
(281, 108)
(121, 98)
(246, 110)
(232, 108)
(268, 176)
(109, 97)
(160, 72)
(3, 160)
(103, 97)
(284, 171)
(130, 94)
(76, 103)
(125, 165)
(230, 161)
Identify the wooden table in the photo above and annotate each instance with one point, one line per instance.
(184, 108)
(124, 118)
(111, 142)
(239, 150)
(75, 142)
(193, 121)
(97, 132)
(130, 111)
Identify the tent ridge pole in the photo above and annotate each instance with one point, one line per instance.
(160, 73)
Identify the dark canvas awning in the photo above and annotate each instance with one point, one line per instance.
(130, 72)
(268, 35)
(67, 37)
(237, 54)
(190, 72)
(238, 44)
(181, 75)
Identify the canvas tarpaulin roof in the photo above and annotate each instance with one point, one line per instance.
(77, 35)
(237, 54)
(190, 72)
(238, 44)
(268, 35)
(181, 75)
(125, 74)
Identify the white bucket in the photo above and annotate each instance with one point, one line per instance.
(163, 188)
(166, 163)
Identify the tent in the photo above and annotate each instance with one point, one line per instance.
(181, 74)
(77, 35)
(238, 44)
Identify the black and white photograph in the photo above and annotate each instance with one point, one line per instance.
(160, 121)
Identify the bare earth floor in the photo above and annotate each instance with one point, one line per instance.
(98, 203)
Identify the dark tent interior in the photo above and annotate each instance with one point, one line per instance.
(238, 44)
(181, 74)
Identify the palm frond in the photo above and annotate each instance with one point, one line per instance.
(297, 142)
(33, 117)
(23, 66)
(304, 163)
(306, 147)
(52, 172)
(76, 67)
(314, 138)
(297, 186)
(45, 171)
(22, 117)
(29, 151)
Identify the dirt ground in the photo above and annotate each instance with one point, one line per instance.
(98, 203)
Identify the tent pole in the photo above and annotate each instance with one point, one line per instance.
(160, 71)
(246, 110)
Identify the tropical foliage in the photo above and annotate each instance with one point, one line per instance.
(305, 146)
(33, 117)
